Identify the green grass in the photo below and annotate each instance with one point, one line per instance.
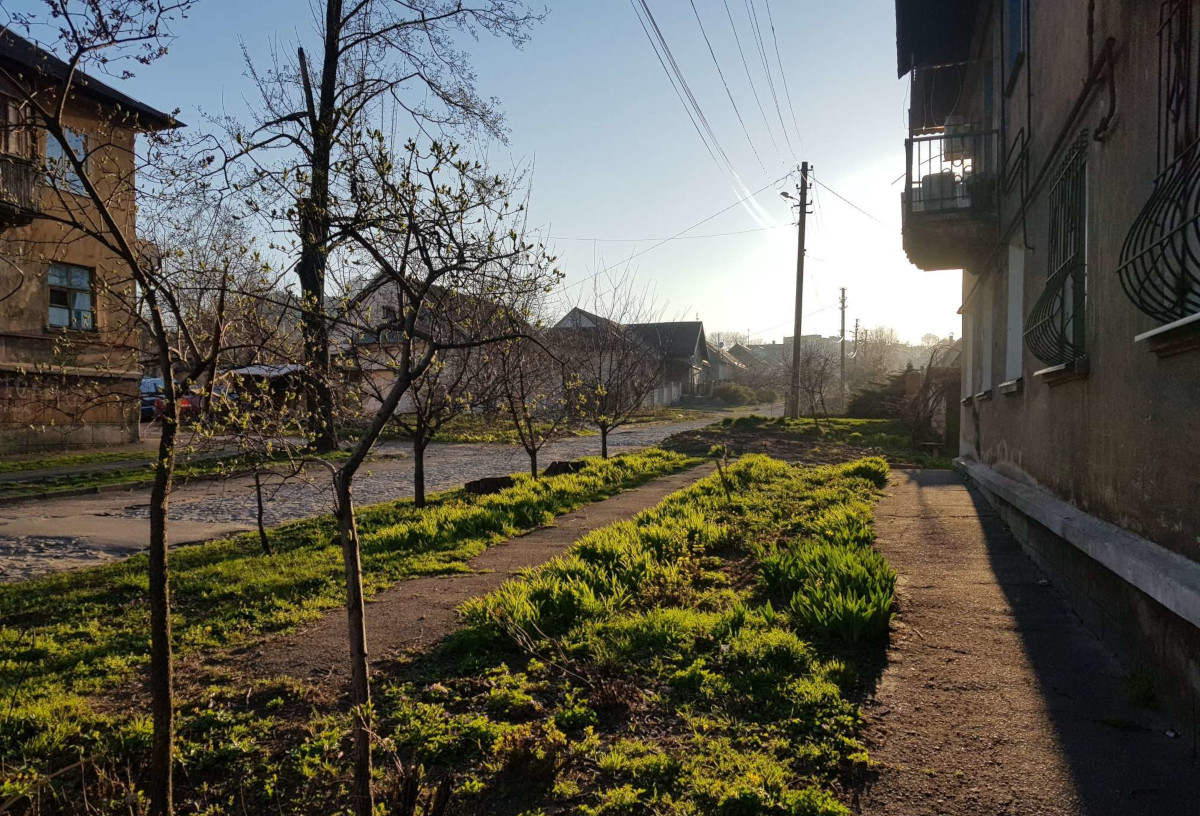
(66, 637)
(102, 457)
(141, 474)
(645, 671)
(886, 437)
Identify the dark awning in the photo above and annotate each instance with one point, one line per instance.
(933, 32)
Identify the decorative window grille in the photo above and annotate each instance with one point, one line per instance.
(1160, 260)
(1055, 333)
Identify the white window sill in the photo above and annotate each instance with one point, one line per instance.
(1173, 338)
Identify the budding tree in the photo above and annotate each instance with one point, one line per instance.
(444, 236)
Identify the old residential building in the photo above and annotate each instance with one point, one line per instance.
(1054, 156)
(68, 357)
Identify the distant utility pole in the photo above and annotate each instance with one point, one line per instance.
(794, 401)
(842, 368)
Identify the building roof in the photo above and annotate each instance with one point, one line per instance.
(674, 339)
(933, 32)
(724, 356)
(582, 319)
(17, 50)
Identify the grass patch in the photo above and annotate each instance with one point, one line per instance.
(68, 636)
(101, 457)
(883, 437)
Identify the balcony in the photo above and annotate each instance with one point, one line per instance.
(949, 198)
(18, 191)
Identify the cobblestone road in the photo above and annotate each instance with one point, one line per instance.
(43, 536)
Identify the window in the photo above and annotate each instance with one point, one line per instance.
(1014, 40)
(1016, 312)
(14, 138)
(1160, 259)
(58, 167)
(1056, 323)
(71, 298)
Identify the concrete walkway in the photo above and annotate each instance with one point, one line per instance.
(996, 699)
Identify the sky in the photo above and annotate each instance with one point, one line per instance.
(617, 165)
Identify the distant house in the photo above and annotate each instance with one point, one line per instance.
(684, 352)
(724, 366)
(680, 346)
(69, 368)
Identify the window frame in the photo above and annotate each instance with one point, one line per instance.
(70, 289)
(67, 180)
(1014, 346)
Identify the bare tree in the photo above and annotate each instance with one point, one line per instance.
(442, 233)
(875, 356)
(376, 61)
(613, 370)
(457, 381)
(818, 371)
(534, 390)
(935, 386)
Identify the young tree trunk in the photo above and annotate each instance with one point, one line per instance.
(533, 468)
(262, 530)
(604, 442)
(419, 445)
(360, 690)
(161, 673)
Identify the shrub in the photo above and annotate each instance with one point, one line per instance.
(765, 395)
(734, 394)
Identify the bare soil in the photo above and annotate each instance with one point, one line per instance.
(995, 698)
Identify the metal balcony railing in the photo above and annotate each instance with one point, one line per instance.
(18, 190)
(953, 170)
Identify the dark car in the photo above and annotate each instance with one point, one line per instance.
(151, 389)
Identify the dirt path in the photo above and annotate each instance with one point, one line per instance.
(995, 699)
(420, 611)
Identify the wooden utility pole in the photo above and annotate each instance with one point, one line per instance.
(794, 394)
(842, 349)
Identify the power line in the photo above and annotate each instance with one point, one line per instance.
(762, 53)
(728, 93)
(848, 201)
(680, 234)
(661, 61)
(683, 237)
(782, 73)
(749, 78)
(660, 42)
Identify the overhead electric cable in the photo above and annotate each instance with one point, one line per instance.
(683, 237)
(752, 10)
(779, 59)
(728, 93)
(681, 233)
(847, 201)
(749, 77)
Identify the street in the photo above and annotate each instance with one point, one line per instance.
(48, 535)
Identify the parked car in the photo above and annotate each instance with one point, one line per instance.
(191, 405)
(151, 389)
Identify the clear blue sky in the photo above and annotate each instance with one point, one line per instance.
(615, 156)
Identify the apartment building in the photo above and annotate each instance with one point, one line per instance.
(1053, 155)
